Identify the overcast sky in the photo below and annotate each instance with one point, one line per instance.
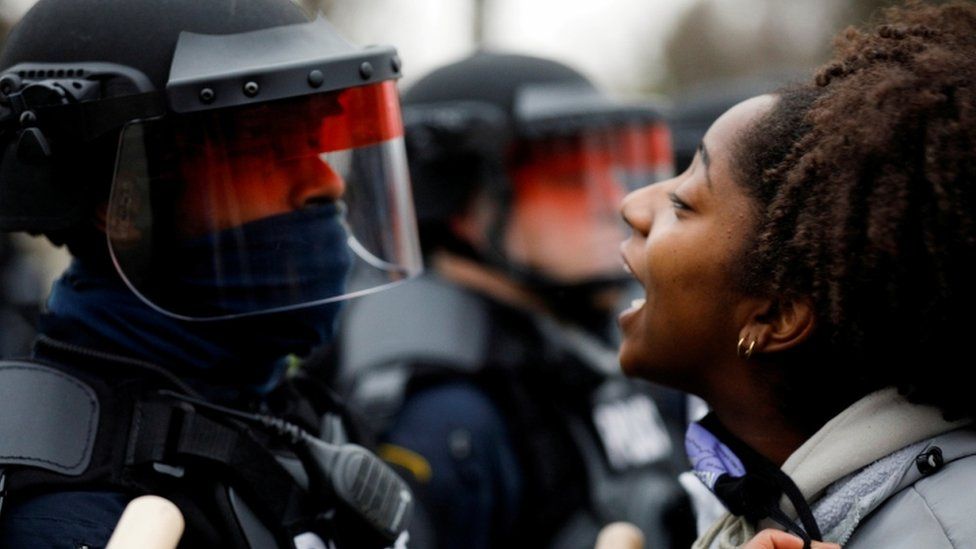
(618, 43)
(609, 40)
(14, 8)
(603, 38)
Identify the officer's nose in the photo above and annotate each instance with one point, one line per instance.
(314, 181)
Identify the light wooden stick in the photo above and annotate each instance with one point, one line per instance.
(620, 535)
(148, 522)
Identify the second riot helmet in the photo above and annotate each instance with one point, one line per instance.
(552, 153)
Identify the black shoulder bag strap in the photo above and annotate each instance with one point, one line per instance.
(58, 430)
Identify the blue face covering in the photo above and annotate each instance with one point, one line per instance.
(280, 261)
(96, 309)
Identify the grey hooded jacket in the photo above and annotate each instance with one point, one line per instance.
(934, 504)
(885, 473)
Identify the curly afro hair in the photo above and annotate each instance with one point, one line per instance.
(865, 180)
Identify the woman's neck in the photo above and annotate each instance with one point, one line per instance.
(750, 411)
(774, 440)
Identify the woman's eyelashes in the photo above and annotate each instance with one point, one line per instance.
(677, 203)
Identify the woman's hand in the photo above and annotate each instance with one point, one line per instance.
(776, 539)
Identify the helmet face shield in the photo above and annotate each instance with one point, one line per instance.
(264, 207)
(567, 189)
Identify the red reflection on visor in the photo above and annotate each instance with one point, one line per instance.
(319, 123)
(243, 164)
(638, 148)
(369, 115)
(567, 189)
(646, 146)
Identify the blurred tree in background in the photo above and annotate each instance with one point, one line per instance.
(707, 46)
(860, 11)
(711, 43)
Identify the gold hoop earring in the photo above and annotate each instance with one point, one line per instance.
(747, 353)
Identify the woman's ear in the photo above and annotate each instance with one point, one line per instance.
(778, 324)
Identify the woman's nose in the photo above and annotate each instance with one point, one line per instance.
(314, 180)
(637, 208)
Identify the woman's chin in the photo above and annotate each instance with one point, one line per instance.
(635, 361)
(629, 359)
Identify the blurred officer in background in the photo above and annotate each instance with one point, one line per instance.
(21, 293)
(220, 172)
(696, 108)
(495, 383)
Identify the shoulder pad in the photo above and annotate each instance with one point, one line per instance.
(48, 419)
(422, 320)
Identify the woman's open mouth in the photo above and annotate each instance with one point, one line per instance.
(626, 318)
(637, 304)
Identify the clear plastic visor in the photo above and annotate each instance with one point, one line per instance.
(565, 216)
(264, 208)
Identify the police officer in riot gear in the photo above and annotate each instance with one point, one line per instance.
(496, 386)
(224, 174)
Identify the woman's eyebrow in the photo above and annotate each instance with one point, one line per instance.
(706, 161)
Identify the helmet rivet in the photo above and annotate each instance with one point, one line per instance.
(395, 63)
(316, 78)
(28, 119)
(9, 83)
(251, 89)
(207, 95)
(366, 70)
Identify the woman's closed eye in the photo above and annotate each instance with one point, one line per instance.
(678, 203)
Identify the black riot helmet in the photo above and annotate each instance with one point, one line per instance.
(220, 144)
(552, 153)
